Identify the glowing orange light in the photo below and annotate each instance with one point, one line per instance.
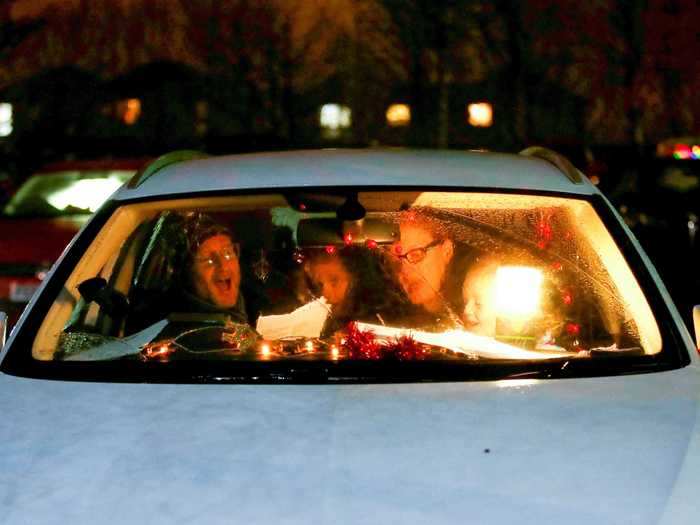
(480, 114)
(265, 349)
(347, 239)
(156, 351)
(129, 110)
(398, 115)
(309, 347)
(334, 351)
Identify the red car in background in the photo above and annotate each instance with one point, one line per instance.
(42, 217)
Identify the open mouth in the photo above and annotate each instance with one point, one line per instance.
(223, 285)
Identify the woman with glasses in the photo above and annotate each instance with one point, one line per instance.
(213, 274)
(424, 259)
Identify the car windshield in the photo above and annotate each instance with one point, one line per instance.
(333, 277)
(64, 193)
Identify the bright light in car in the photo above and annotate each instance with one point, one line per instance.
(85, 194)
(517, 291)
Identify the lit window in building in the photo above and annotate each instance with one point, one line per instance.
(5, 119)
(398, 115)
(129, 110)
(480, 114)
(335, 117)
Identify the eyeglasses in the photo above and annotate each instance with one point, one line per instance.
(227, 254)
(416, 255)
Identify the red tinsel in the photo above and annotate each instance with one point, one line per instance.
(364, 345)
(361, 345)
(405, 348)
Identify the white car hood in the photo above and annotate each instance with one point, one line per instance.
(608, 450)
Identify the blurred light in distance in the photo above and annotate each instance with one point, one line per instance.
(398, 115)
(129, 110)
(5, 119)
(85, 194)
(518, 290)
(685, 152)
(480, 114)
(335, 116)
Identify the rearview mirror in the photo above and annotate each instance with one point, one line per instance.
(328, 230)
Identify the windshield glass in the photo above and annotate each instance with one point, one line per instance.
(335, 277)
(62, 193)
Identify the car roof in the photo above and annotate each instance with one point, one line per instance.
(356, 168)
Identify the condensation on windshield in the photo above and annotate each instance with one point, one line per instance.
(316, 276)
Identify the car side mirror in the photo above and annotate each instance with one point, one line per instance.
(696, 324)
(3, 330)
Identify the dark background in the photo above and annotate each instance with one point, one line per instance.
(603, 82)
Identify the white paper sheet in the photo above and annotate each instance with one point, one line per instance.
(306, 321)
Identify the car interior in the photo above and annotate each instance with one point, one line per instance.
(123, 283)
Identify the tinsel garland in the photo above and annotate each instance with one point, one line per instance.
(360, 344)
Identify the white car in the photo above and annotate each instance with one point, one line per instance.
(352, 337)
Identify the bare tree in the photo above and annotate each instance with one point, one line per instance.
(444, 44)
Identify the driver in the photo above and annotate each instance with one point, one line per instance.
(213, 274)
(210, 286)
